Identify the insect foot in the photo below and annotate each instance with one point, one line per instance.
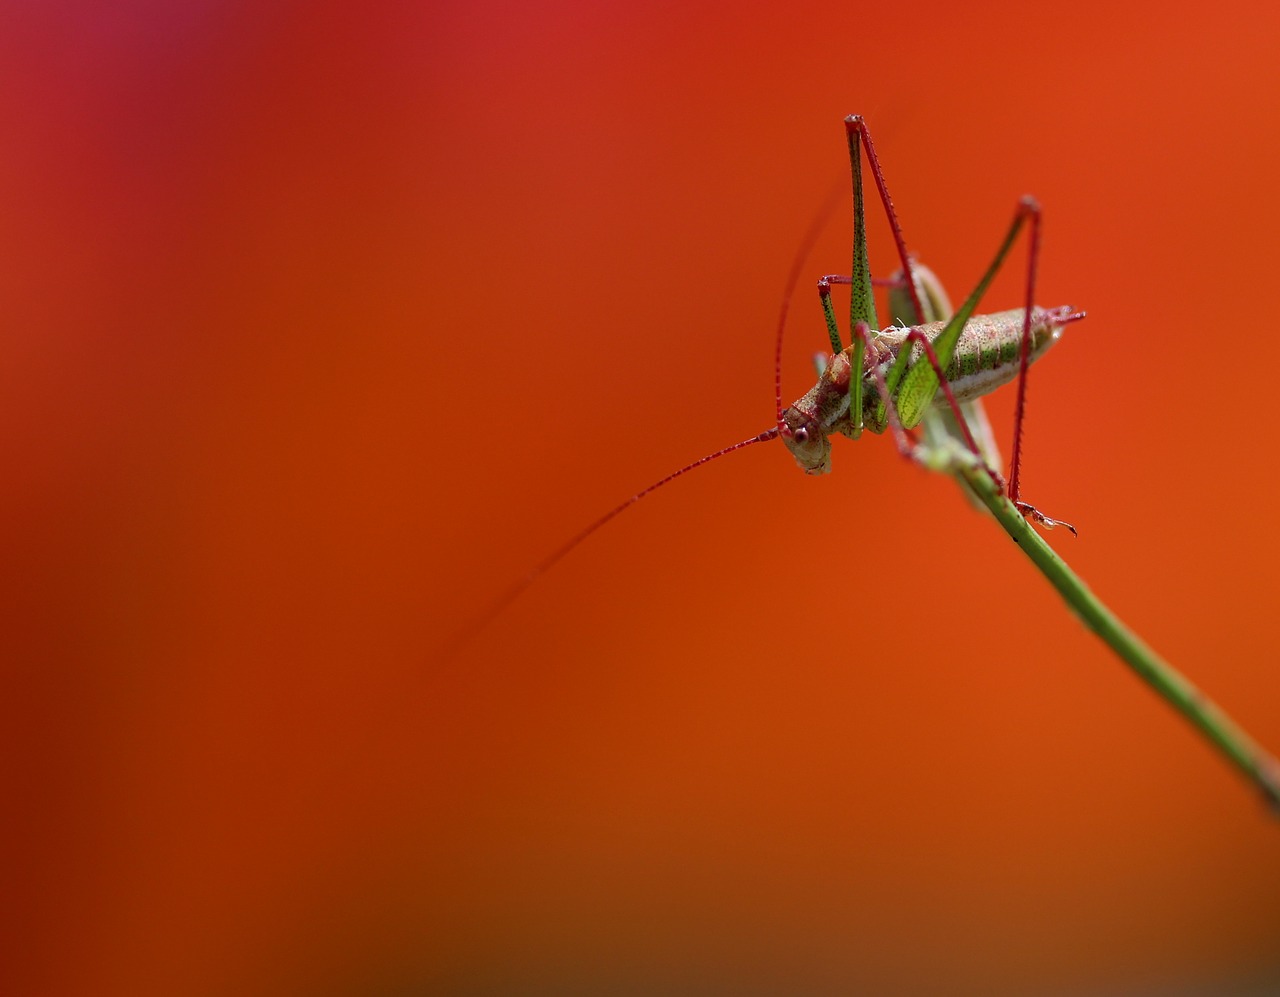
(1035, 515)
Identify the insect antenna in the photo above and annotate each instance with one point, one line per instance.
(816, 225)
(545, 565)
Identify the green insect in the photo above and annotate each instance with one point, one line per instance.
(930, 368)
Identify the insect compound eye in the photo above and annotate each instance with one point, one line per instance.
(801, 435)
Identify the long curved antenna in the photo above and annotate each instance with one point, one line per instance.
(515, 591)
(816, 224)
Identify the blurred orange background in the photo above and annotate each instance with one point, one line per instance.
(323, 323)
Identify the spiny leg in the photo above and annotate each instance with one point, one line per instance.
(824, 295)
(856, 130)
(1027, 207)
(862, 305)
(859, 344)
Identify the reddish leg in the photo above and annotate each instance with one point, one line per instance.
(835, 278)
(854, 124)
(1030, 208)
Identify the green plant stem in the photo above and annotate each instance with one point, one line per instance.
(1243, 752)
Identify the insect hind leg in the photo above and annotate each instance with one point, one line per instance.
(1028, 207)
(1026, 508)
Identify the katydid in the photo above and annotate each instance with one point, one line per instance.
(930, 368)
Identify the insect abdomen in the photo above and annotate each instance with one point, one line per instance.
(988, 351)
(985, 357)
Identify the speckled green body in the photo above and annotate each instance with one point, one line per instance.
(986, 356)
